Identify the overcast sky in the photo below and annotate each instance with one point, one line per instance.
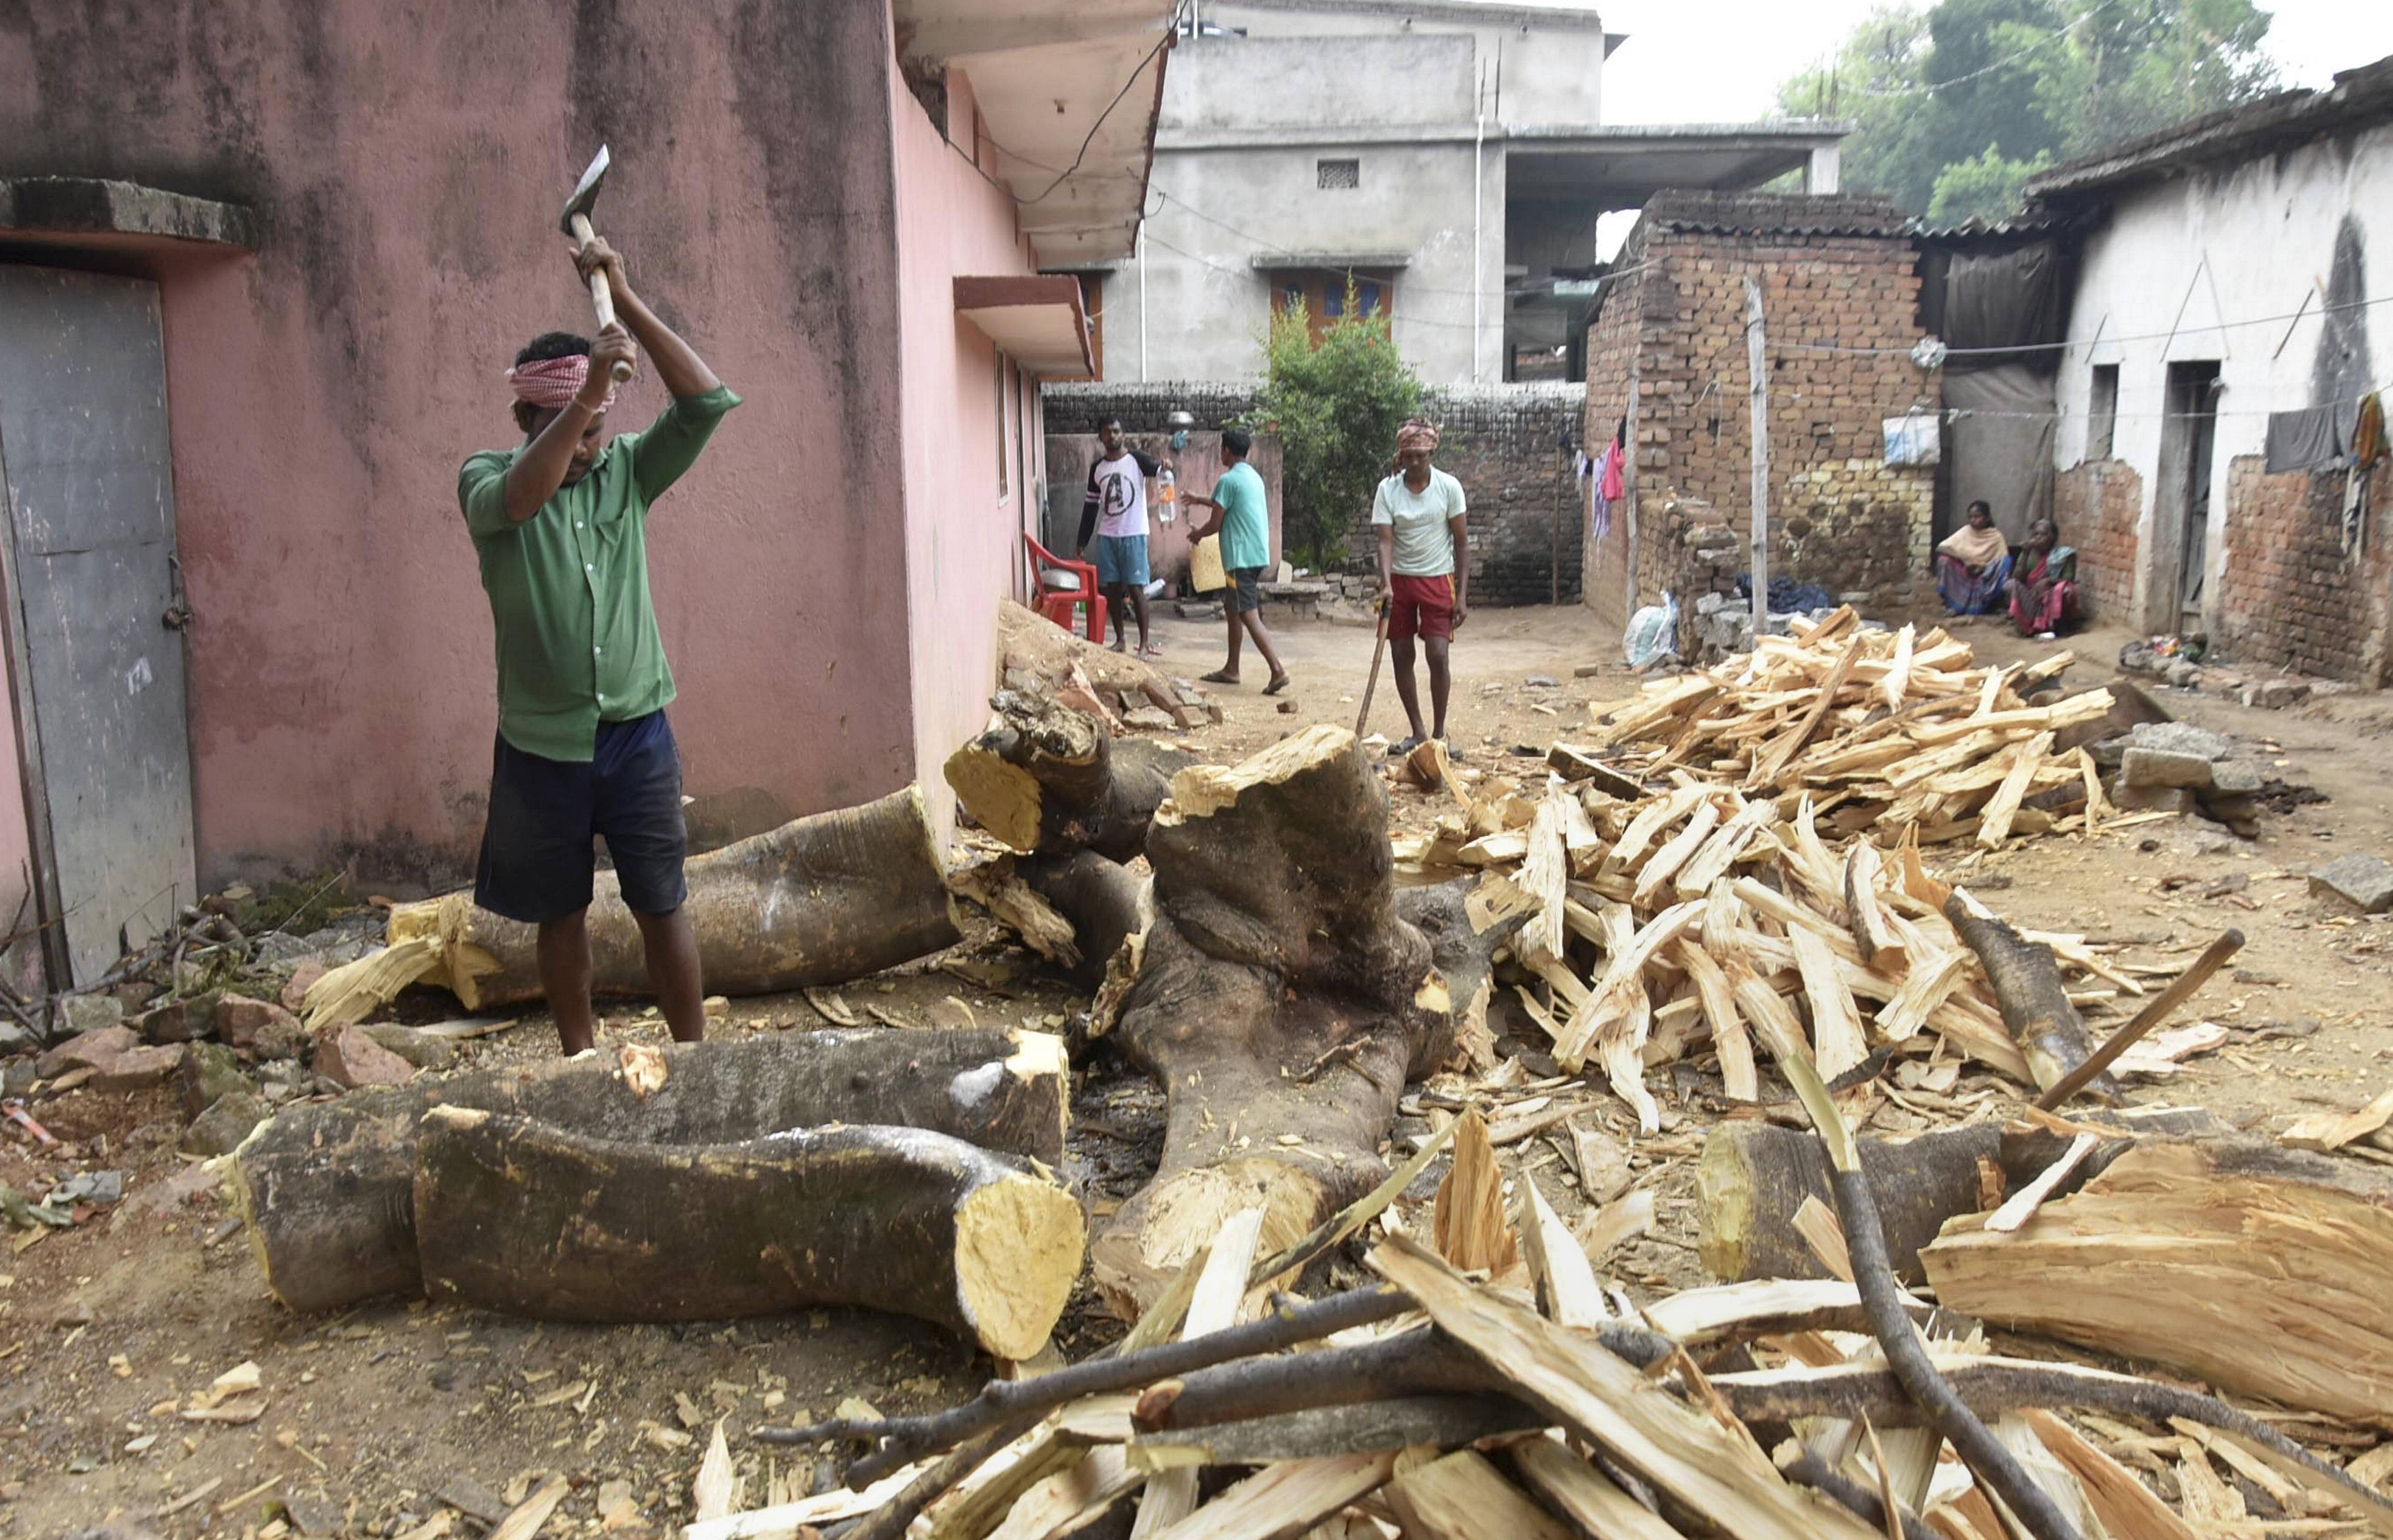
(1721, 61)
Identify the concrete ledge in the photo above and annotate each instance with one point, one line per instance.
(67, 206)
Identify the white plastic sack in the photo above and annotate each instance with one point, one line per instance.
(1652, 632)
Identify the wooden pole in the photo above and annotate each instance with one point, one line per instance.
(2212, 958)
(1760, 391)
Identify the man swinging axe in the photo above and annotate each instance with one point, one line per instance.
(560, 525)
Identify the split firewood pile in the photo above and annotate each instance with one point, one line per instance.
(1694, 894)
(1493, 1384)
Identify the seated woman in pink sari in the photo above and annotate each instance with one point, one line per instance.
(2044, 583)
(1972, 564)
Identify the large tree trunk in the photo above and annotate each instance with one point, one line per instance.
(1284, 995)
(327, 1187)
(1048, 778)
(822, 900)
(524, 1216)
(2263, 1269)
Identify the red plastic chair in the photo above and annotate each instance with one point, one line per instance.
(1057, 604)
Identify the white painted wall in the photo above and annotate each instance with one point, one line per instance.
(1244, 85)
(2228, 245)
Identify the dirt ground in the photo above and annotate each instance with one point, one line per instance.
(376, 1418)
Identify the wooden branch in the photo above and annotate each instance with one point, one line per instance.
(1400, 1422)
(2034, 1003)
(1585, 1494)
(1001, 1400)
(2214, 957)
(1905, 1354)
(1813, 1471)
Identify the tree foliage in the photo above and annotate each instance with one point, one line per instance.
(1335, 404)
(1953, 105)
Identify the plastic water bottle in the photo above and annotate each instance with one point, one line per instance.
(1166, 495)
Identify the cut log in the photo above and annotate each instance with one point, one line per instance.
(536, 1220)
(2261, 1269)
(1107, 904)
(822, 900)
(1286, 994)
(327, 1187)
(1754, 1178)
(2034, 1002)
(1463, 1497)
(1046, 777)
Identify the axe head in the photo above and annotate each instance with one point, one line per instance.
(585, 192)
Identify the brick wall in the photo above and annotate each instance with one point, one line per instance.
(2290, 597)
(1833, 272)
(2098, 504)
(1501, 441)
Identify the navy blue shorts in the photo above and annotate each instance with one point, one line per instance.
(536, 858)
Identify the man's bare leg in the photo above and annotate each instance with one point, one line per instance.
(1438, 683)
(1254, 624)
(670, 947)
(1118, 605)
(1400, 661)
(1138, 603)
(1237, 636)
(564, 956)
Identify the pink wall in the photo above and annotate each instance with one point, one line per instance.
(963, 538)
(407, 165)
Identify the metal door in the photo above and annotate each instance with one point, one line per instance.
(97, 669)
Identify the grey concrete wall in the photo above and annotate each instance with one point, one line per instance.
(1207, 307)
(1246, 84)
(1547, 72)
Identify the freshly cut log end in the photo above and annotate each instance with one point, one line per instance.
(327, 1188)
(1045, 776)
(1166, 1223)
(820, 900)
(535, 1220)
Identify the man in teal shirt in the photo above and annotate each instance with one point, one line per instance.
(560, 525)
(1245, 527)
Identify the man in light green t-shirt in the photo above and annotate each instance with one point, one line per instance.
(1244, 524)
(1424, 570)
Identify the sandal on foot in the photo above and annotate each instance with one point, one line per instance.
(1400, 749)
(1218, 676)
(1149, 649)
(1278, 682)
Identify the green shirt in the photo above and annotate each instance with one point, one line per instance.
(577, 636)
(1246, 527)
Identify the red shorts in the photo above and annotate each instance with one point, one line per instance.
(1424, 606)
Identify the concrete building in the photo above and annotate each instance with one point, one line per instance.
(2231, 271)
(1450, 155)
(261, 268)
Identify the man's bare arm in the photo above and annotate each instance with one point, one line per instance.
(540, 469)
(1461, 528)
(678, 365)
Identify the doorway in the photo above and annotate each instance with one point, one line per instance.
(94, 613)
(2173, 593)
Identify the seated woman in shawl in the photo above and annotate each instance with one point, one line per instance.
(1973, 563)
(2044, 583)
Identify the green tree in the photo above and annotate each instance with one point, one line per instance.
(1335, 404)
(1983, 187)
(1950, 100)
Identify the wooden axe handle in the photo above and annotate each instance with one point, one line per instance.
(602, 296)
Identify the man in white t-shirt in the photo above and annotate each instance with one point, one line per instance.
(1113, 509)
(1424, 570)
